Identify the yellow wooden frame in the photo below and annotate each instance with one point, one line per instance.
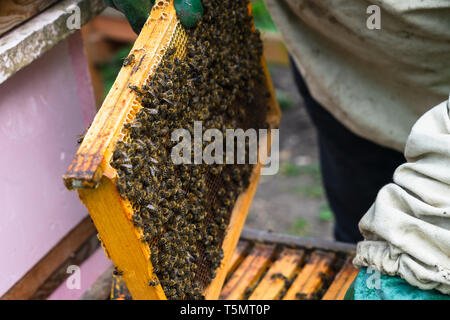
(91, 174)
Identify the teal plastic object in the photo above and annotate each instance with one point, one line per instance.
(136, 11)
(376, 286)
(189, 12)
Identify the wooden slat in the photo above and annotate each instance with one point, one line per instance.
(309, 280)
(26, 287)
(342, 282)
(270, 287)
(86, 250)
(14, 12)
(238, 256)
(248, 272)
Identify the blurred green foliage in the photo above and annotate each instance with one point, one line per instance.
(325, 213)
(110, 69)
(299, 227)
(262, 18)
(284, 99)
(311, 191)
(293, 170)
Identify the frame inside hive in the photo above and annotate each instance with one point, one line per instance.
(91, 174)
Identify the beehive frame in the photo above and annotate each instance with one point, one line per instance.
(94, 178)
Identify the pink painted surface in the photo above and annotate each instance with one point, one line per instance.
(90, 270)
(80, 70)
(42, 110)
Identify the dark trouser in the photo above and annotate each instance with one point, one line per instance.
(353, 168)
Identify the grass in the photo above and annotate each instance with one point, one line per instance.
(292, 170)
(299, 227)
(325, 213)
(311, 191)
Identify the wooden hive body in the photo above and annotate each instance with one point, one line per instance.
(270, 266)
(95, 180)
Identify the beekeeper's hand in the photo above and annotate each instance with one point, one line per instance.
(189, 12)
(372, 285)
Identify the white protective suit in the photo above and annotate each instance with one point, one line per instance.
(378, 83)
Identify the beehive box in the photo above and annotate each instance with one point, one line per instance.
(269, 266)
(92, 174)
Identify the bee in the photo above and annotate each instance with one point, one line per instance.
(278, 275)
(121, 187)
(171, 292)
(80, 138)
(223, 226)
(137, 220)
(156, 230)
(128, 60)
(117, 272)
(136, 89)
(163, 242)
(153, 282)
(301, 296)
(215, 170)
(171, 51)
(226, 178)
(227, 201)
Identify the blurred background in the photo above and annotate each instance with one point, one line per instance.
(291, 202)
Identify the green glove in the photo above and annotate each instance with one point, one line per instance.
(189, 12)
(376, 286)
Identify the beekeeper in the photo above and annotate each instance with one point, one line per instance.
(375, 78)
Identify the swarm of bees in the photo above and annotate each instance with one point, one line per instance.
(183, 210)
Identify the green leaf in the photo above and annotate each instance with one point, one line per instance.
(262, 18)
